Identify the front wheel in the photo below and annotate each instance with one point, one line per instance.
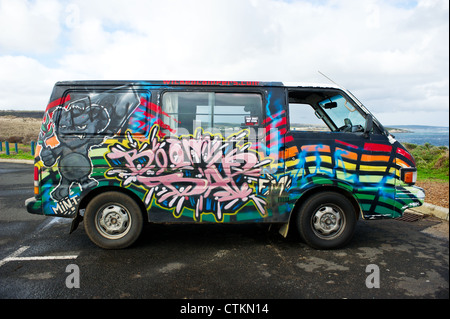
(326, 220)
(113, 220)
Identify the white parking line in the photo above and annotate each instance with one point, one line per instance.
(14, 256)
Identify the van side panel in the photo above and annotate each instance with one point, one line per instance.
(366, 168)
(71, 145)
(205, 176)
(113, 136)
(96, 137)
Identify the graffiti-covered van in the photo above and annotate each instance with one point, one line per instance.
(302, 156)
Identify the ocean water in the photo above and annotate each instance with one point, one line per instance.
(435, 135)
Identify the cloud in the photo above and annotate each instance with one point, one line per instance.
(31, 27)
(25, 83)
(391, 54)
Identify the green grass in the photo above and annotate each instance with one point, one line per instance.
(431, 161)
(24, 152)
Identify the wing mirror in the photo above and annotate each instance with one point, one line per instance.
(368, 126)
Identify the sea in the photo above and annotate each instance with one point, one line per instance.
(421, 134)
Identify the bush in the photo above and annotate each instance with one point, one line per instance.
(431, 161)
(410, 146)
(15, 139)
(442, 162)
(28, 138)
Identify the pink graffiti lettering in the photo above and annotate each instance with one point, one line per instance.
(205, 173)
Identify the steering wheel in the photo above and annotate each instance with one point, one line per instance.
(347, 127)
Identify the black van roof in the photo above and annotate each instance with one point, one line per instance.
(114, 83)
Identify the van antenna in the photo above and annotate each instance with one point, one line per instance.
(329, 79)
(356, 100)
(345, 90)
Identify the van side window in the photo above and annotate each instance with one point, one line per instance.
(100, 113)
(344, 115)
(323, 111)
(225, 113)
(302, 117)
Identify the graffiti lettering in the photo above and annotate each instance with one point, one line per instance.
(271, 185)
(205, 173)
(66, 206)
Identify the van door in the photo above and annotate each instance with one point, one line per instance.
(333, 149)
(210, 165)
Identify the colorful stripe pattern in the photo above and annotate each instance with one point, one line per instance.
(370, 172)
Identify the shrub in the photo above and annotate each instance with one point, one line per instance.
(442, 162)
(15, 139)
(28, 138)
(431, 161)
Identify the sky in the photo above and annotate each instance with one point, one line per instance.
(392, 54)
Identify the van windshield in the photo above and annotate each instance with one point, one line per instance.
(344, 115)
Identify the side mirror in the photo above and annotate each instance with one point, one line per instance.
(368, 125)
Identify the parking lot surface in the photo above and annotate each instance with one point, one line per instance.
(40, 260)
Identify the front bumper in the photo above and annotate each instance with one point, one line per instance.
(411, 196)
(34, 206)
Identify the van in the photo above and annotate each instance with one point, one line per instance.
(116, 154)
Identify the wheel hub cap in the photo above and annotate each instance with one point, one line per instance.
(327, 220)
(113, 221)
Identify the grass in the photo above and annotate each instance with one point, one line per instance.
(432, 161)
(24, 152)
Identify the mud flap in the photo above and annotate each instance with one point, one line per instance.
(75, 222)
(284, 230)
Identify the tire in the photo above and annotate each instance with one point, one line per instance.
(113, 220)
(326, 221)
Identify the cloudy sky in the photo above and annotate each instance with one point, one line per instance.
(392, 54)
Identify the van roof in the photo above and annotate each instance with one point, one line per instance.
(193, 83)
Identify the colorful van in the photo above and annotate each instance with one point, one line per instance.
(301, 156)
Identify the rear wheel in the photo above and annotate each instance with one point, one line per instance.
(113, 220)
(327, 220)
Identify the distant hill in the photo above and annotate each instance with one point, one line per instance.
(398, 129)
(30, 114)
(421, 128)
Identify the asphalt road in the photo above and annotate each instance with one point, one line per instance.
(39, 259)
